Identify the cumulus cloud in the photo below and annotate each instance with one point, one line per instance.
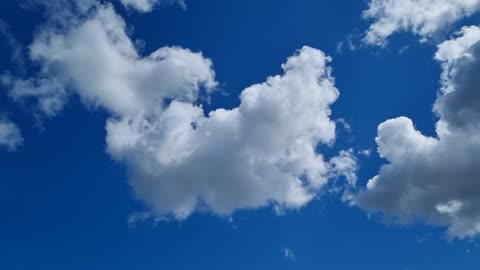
(10, 136)
(437, 178)
(16, 50)
(260, 153)
(425, 18)
(180, 158)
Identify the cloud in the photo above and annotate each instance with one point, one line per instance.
(14, 46)
(148, 5)
(288, 254)
(97, 61)
(10, 136)
(365, 152)
(436, 179)
(261, 153)
(180, 158)
(425, 18)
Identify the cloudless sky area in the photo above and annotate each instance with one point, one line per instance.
(65, 203)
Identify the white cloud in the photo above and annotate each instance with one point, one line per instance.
(258, 154)
(97, 61)
(365, 152)
(180, 160)
(10, 136)
(288, 254)
(425, 18)
(148, 5)
(436, 178)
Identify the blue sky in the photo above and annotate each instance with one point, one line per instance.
(88, 181)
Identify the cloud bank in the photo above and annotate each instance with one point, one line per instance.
(436, 179)
(424, 18)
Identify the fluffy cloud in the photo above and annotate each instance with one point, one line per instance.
(13, 44)
(262, 152)
(425, 18)
(181, 159)
(10, 136)
(97, 61)
(148, 5)
(437, 178)
(60, 12)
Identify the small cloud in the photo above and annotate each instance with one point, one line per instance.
(365, 152)
(288, 254)
(351, 44)
(147, 6)
(348, 44)
(279, 210)
(423, 238)
(403, 49)
(346, 126)
(340, 47)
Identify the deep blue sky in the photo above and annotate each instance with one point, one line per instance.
(64, 204)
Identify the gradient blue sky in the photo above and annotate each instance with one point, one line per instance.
(65, 203)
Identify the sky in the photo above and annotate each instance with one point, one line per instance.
(170, 134)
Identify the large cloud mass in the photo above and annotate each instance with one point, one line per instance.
(436, 178)
(264, 152)
(98, 61)
(422, 17)
(258, 153)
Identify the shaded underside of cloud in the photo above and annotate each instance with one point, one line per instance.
(148, 5)
(437, 178)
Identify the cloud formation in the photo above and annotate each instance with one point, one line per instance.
(10, 136)
(424, 18)
(436, 179)
(180, 158)
(262, 152)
